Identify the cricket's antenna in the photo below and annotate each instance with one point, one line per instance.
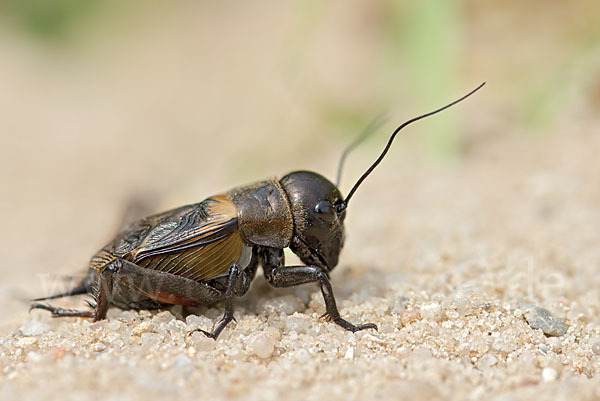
(369, 129)
(389, 144)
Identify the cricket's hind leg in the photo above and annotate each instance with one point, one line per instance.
(60, 312)
(123, 283)
(99, 289)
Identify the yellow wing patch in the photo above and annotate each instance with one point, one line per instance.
(199, 263)
(198, 242)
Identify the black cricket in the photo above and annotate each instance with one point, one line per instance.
(209, 252)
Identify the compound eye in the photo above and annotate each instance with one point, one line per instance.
(324, 208)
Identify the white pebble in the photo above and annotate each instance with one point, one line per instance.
(33, 357)
(235, 353)
(149, 339)
(594, 343)
(144, 327)
(261, 344)
(163, 317)
(202, 343)
(554, 343)
(487, 361)
(25, 342)
(549, 375)
(302, 355)
(128, 315)
(195, 321)
(544, 348)
(431, 311)
(504, 344)
(114, 325)
(34, 328)
(175, 326)
(98, 347)
(298, 323)
(349, 353)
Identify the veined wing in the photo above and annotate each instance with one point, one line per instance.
(199, 263)
(199, 242)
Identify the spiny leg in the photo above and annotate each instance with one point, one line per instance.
(100, 292)
(60, 312)
(280, 275)
(290, 276)
(237, 284)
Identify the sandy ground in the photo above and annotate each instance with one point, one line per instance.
(447, 257)
(444, 262)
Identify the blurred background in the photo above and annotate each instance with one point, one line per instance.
(169, 102)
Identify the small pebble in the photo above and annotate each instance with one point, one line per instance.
(302, 355)
(594, 343)
(128, 315)
(555, 344)
(98, 347)
(540, 318)
(33, 357)
(544, 348)
(298, 323)
(504, 344)
(25, 342)
(102, 324)
(149, 339)
(144, 327)
(201, 342)
(34, 328)
(195, 321)
(163, 317)
(349, 353)
(114, 325)
(487, 361)
(175, 326)
(261, 344)
(274, 332)
(431, 311)
(549, 375)
(464, 301)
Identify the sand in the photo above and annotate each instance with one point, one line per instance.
(450, 258)
(448, 263)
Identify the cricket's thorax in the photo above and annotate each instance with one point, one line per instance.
(264, 214)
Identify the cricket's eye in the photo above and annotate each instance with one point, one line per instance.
(325, 210)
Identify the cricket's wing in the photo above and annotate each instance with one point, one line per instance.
(199, 242)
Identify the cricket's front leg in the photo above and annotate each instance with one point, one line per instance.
(238, 282)
(279, 275)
